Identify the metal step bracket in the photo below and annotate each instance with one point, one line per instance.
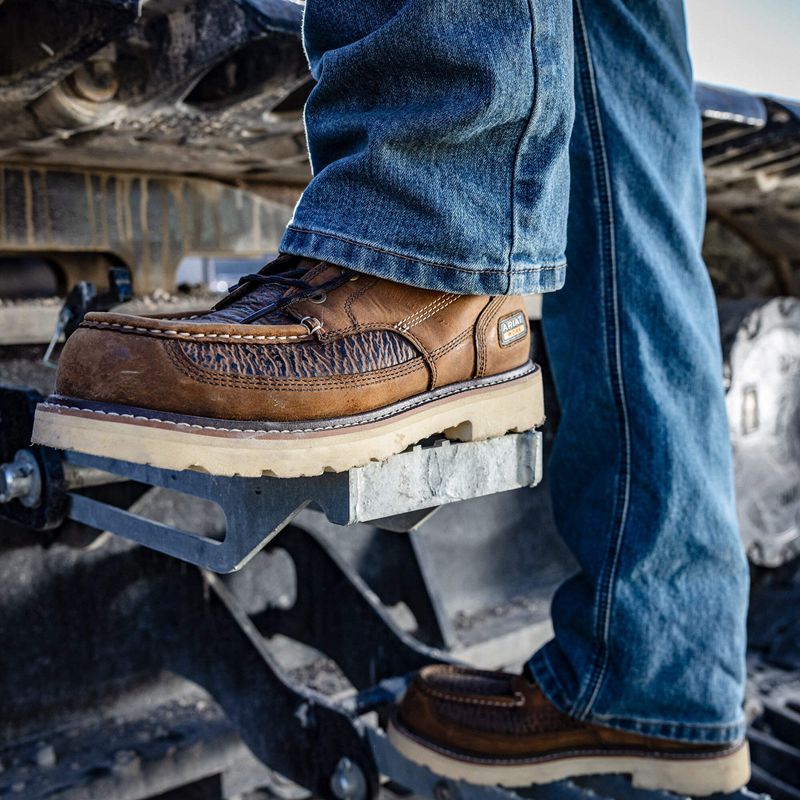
(399, 491)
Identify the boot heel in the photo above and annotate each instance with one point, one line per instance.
(696, 779)
(514, 407)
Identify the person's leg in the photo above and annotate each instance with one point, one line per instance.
(645, 673)
(650, 635)
(438, 137)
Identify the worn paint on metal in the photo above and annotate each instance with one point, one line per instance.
(149, 222)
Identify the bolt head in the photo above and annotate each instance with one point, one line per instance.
(348, 781)
(444, 790)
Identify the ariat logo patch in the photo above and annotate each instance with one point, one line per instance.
(512, 328)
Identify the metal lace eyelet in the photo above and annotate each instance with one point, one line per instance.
(355, 277)
(318, 297)
(312, 323)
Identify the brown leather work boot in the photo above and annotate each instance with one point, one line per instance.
(304, 368)
(492, 728)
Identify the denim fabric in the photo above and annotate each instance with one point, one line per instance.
(650, 634)
(439, 132)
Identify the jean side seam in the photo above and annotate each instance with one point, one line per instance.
(544, 266)
(518, 149)
(587, 698)
(305, 105)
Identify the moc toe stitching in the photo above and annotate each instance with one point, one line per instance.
(161, 333)
(463, 699)
(494, 730)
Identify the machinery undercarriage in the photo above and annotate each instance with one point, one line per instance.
(135, 135)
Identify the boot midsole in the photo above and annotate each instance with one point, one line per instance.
(511, 402)
(689, 774)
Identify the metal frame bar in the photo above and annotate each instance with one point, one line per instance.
(404, 488)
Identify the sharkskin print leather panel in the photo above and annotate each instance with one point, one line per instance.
(351, 355)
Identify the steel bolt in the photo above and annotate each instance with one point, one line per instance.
(348, 781)
(46, 756)
(95, 81)
(444, 790)
(20, 480)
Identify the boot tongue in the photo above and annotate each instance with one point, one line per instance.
(256, 297)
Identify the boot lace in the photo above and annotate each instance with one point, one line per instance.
(295, 288)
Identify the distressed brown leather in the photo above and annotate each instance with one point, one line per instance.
(496, 715)
(369, 344)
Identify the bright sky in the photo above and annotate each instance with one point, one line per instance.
(750, 44)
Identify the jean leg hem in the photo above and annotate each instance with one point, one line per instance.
(384, 263)
(672, 730)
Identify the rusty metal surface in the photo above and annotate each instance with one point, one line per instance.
(189, 86)
(751, 150)
(150, 130)
(144, 219)
(143, 132)
(216, 87)
(749, 138)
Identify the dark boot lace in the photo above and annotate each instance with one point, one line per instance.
(288, 275)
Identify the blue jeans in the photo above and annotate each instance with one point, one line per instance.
(439, 133)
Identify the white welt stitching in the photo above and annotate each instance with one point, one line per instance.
(421, 310)
(562, 754)
(287, 430)
(186, 335)
(434, 309)
(426, 311)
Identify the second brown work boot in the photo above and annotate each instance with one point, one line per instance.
(492, 728)
(304, 368)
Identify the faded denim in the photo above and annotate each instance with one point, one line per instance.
(439, 134)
